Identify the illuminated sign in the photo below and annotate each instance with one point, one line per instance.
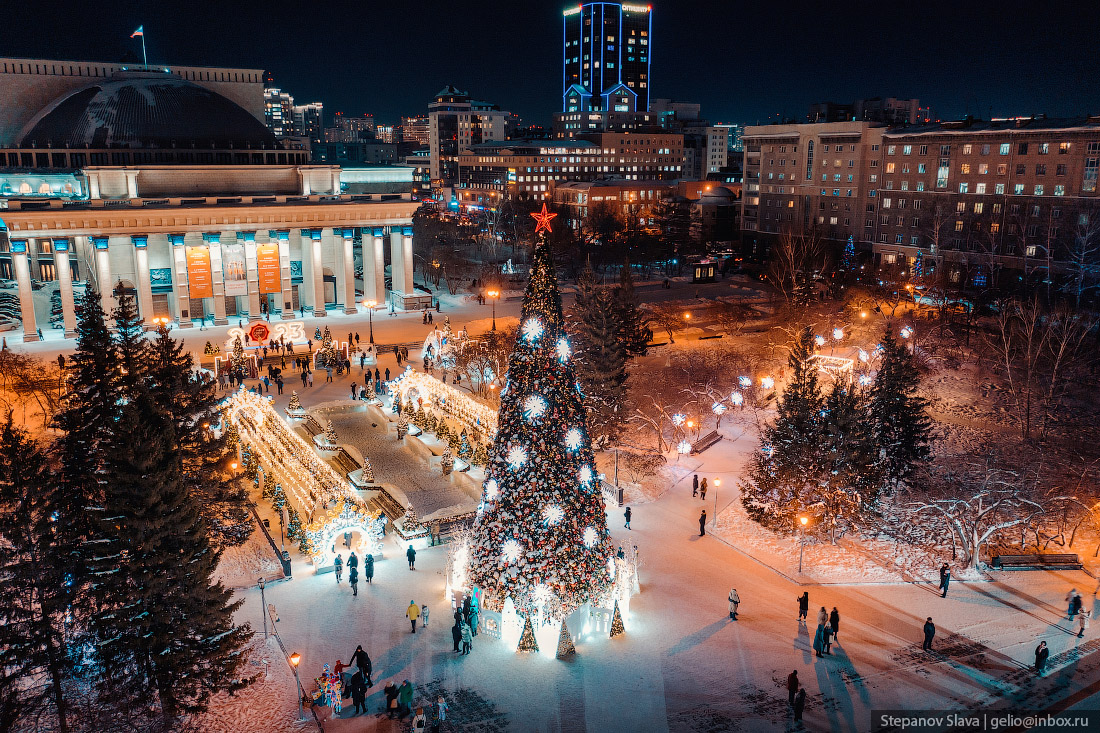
(199, 281)
(267, 267)
(573, 11)
(636, 8)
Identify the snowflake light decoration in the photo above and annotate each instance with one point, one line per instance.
(678, 419)
(492, 491)
(745, 381)
(564, 352)
(517, 456)
(838, 334)
(683, 448)
(573, 439)
(717, 408)
(511, 550)
(534, 407)
(819, 340)
(906, 332)
(553, 514)
(737, 399)
(542, 594)
(864, 356)
(767, 382)
(532, 329)
(864, 380)
(585, 474)
(591, 537)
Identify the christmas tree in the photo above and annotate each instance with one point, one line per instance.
(900, 425)
(211, 349)
(617, 628)
(527, 641)
(542, 519)
(784, 474)
(447, 461)
(566, 647)
(330, 433)
(464, 449)
(402, 426)
(237, 365)
(371, 395)
(295, 403)
(327, 356)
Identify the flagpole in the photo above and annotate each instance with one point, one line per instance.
(144, 58)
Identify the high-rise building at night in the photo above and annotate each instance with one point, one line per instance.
(309, 121)
(606, 57)
(455, 122)
(415, 129)
(279, 112)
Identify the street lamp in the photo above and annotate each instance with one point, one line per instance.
(263, 603)
(802, 540)
(493, 295)
(717, 483)
(369, 305)
(295, 659)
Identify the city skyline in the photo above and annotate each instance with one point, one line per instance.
(743, 64)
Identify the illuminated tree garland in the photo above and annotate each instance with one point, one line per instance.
(542, 520)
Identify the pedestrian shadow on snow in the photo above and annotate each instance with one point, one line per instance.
(699, 636)
(802, 641)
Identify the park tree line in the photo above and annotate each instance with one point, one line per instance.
(110, 617)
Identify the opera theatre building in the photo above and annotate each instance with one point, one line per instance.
(167, 183)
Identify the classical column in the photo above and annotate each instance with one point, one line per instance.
(65, 283)
(26, 293)
(282, 236)
(345, 270)
(213, 242)
(93, 185)
(144, 286)
(179, 280)
(401, 261)
(374, 266)
(314, 276)
(248, 239)
(131, 184)
(101, 247)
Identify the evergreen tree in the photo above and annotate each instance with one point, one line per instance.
(632, 333)
(601, 357)
(542, 519)
(849, 479)
(37, 652)
(784, 475)
(164, 628)
(192, 404)
(131, 347)
(900, 426)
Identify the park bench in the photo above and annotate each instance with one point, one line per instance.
(1037, 562)
(705, 442)
(312, 426)
(344, 462)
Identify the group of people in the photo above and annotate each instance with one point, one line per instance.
(699, 488)
(465, 626)
(353, 569)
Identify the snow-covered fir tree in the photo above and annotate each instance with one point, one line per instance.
(900, 424)
(633, 334)
(785, 472)
(849, 479)
(541, 520)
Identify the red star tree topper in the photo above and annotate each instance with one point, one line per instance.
(543, 218)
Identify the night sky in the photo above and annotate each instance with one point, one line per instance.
(742, 61)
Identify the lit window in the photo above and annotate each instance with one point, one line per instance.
(1038, 189)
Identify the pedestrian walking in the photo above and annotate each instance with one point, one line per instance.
(411, 555)
(822, 616)
(827, 639)
(792, 686)
(353, 578)
(834, 622)
(390, 691)
(803, 605)
(368, 566)
(1073, 598)
(473, 620)
(387, 373)
(412, 613)
(362, 661)
(309, 377)
(356, 338)
(703, 489)
(695, 485)
(353, 561)
(439, 714)
(456, 634)
(929, 633)
(703, 523)
(819, 639)
(338, 568)
(467, 639)
(328, 374)
(424, 615)
(362, 361)
(404, 699)
(735, 600)
(945, 579)
(353, 391)
(1083, 622)
(1041, 655)
(799, 703)
(279, 384)
(419, 721)
(359, 693)
(626, 515)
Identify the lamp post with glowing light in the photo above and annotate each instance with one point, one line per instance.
(493, 295)
(717, 483)
(263, 603)
(369, 305)
(802, 540)
(295, 659)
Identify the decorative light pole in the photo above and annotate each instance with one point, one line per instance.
(263, 603)
(717, 483)
(802, 541)
(369, 305)
(295, 659)
(493, 295)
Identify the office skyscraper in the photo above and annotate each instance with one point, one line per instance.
(606, 57)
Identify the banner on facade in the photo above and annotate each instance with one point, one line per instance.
(199, 281)
(267, 264)
(233, 269)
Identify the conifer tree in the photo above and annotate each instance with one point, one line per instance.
(849, 477)
(633, 334)
(542, 520)
(131, 347)
(783, 476)
(164, 627)
(37, 651)
(601, 357)
(901, 427)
